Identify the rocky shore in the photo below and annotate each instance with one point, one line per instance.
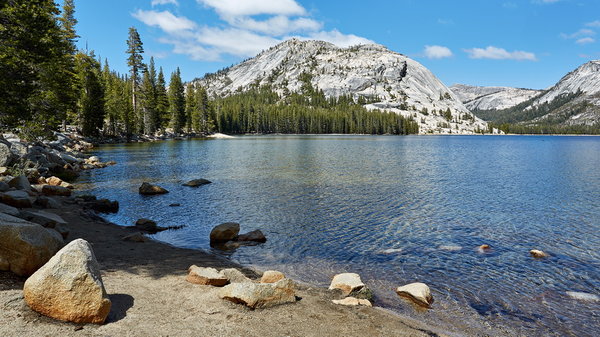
(137, 286)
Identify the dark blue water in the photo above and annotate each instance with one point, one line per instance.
(331, 204)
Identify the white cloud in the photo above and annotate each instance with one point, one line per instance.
(233, 8)
(595, 24)
(165, 20)
(585, 40)
(437, 52)
(578, 34)
(495, 53)
(164, 2)
(277, 25)
(247, 27)
(545, 1)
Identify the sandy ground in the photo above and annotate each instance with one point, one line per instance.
(150, 297)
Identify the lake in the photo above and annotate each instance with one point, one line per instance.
(395, 210)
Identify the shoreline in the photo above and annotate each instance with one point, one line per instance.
(146, 283)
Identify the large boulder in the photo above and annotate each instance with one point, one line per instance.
(206, 276)
(69, 287)
(6, 156)
(26, 246)
(260, 295)
(43, 218)
(417, 292)
(347, 283)
(149, 189)
(197, 182)
(224, 232)
(9, 210)
(56, 190)
(18, 199)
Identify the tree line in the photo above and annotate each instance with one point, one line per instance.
(47, 83)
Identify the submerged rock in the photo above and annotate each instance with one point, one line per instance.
(255, 236)
(353, 301)
(484, 248)
(206, 276)
(69, 287)
(149, 226)
(149, 189)
(197, 182)
(417, 292)
(538, 254)
(224, 232)
(26, 246)
(102, 205)
(260, 295)
(581, 296)
(271, 276)
(347, 283)
(450, 248)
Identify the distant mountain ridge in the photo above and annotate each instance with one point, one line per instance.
(368, 73)
(574, 101)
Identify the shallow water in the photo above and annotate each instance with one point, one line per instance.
(395, 210)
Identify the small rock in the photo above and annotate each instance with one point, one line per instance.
(135, 237)
(391, 251)
(271, 276)
(347, 283)
(149, 189)
(484, 248)
(353, 301)
(47, 202)
(197, 182)
(580, 296)
(235, 276)
(206, 276)
(224, 232)
(538, 254)
(260, 295)
(20, 183)
(56, 190)
(255, 236)
(149, 226)
(93, 159)
(174, 205)
(62, 230)
(417, 292)
(18, 199)
(67, 185)
(3, 170)
(54, 181)
(69, 287)
(101, 205)
(4, 186)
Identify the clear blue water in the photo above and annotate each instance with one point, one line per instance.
(331, 204)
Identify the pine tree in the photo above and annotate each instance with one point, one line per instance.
(135, 60)
(162, 102)
(148, 94)
(67, 67)
(204, 122)
(177, 102)
(91, 111)
(191, 107)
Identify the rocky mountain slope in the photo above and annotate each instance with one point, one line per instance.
(385, 79)
(572, 102)
(492, 98)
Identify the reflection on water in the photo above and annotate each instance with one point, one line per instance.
(395, 210)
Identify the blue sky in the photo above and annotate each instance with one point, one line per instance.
(521, 43)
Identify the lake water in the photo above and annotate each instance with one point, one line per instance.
(395, 210)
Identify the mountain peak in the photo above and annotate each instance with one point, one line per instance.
(371, 72)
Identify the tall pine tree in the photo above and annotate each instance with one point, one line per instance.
(177, 102)
(162, 101)
(135, 49)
